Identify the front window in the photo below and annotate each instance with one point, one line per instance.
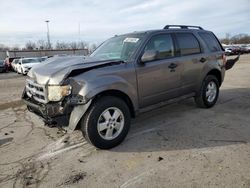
(163, 44)
(120, 47)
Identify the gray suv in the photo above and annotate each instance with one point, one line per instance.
(125, 76)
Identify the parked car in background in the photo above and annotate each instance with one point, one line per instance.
(245, 48)
(25, 64)
(228, 51)
(2, 66)
(236, 49)
(43, 58)
(11, 59)
(14, 64)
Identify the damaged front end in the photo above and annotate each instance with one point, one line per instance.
(54, 93)
(59, 105)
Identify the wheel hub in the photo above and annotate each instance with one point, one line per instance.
(110, 123)
(211, 91)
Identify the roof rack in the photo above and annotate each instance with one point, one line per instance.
(182, 27)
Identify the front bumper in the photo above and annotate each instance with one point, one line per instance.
(26, 70)
(51, 113)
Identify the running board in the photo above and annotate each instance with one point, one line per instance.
(164, 103)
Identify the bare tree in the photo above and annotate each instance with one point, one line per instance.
(62, 45)
(82, 45)
(30, 45)
(4, 47)
(16, 47)
(92, 47)
(41, 44)
(236, 39)
(73, 45)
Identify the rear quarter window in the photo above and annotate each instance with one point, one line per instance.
(211, 42)
(188, 44)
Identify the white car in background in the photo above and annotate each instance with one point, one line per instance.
(14, 64)
(25, 64)
(228, 51)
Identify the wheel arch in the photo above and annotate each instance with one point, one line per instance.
(217, 74)
(119, 94)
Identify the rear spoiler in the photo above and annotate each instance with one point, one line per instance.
(230, 63)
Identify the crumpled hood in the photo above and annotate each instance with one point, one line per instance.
(54, 70)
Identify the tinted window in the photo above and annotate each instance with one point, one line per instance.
(188, 44)
(210, 41)
(163, 44)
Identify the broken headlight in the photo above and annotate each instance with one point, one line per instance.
(56, 93)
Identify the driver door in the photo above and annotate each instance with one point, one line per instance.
(159, 79)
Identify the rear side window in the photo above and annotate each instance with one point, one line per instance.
(211, 42)
(188, 44)
(163, 44)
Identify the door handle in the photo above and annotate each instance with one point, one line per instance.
(203, 60)
(172, 66)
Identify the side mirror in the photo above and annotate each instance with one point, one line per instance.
(19, 63)
(149, 55)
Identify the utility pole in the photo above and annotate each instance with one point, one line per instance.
(79, 31)
(48, 37)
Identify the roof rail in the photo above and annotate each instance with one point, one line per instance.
(182, 27)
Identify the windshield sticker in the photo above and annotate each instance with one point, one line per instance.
(134, 40)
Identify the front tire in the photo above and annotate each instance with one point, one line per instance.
(106, 123)
(209, 92)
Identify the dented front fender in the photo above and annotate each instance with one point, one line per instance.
(76, 115)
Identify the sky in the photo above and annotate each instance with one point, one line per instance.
(96, 20)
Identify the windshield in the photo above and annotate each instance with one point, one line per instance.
(30, 61)
(43, 59)
(1, 62)
(14, 61)
(121, 47)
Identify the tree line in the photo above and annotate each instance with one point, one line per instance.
(43, 45)
(236, 39)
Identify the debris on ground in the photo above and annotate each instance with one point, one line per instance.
(74, 178)
(81, 161)
(160, 158)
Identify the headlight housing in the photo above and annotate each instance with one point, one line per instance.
(56, 93)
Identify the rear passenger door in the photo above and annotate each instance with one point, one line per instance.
(214, 51)
(190, 56)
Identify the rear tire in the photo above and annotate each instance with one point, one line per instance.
(106, 123)
(209, 92)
